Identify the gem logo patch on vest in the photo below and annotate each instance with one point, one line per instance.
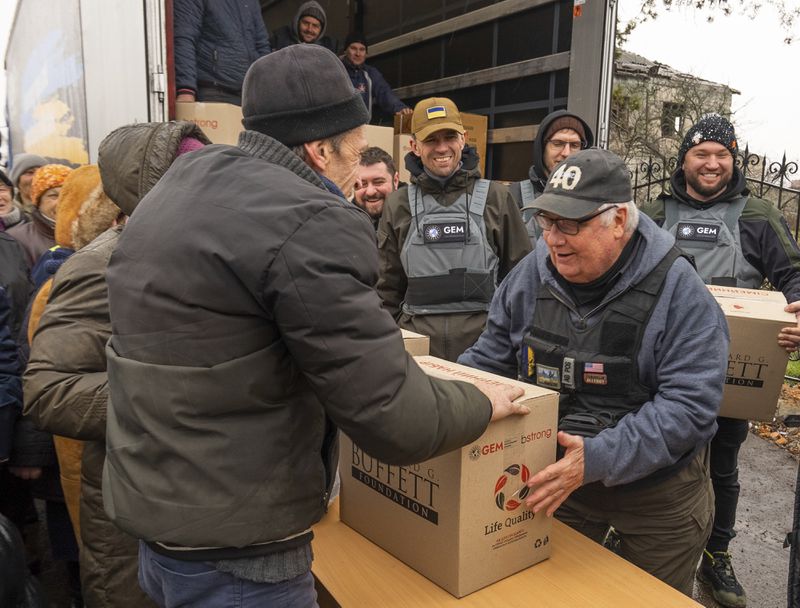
(691, 231)
(435, 112)
(549, 377)
(446, 232)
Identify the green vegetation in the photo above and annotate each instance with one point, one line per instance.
(793, 369)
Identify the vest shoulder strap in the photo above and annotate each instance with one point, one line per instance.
(527, 191)
(734, 212)
(653, 282)
(670, 213)
(415, 203)
(477, 202)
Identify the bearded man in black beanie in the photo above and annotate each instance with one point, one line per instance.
(737, 240)
(245, 332)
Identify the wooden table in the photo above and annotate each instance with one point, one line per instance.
(353, 571)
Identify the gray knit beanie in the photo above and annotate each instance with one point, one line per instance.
(299, 94)
(313, 10)
(23, 162)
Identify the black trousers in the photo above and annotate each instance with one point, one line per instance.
(730, 436)
(217, 94)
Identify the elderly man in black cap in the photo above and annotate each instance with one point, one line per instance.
(245, 332)
(745, 239)
(607, 312)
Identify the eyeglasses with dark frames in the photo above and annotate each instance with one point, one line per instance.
(568, 226)
(560, 145)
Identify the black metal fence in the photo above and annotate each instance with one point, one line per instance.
(768, 179)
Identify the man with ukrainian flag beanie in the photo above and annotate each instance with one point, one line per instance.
(447, 239)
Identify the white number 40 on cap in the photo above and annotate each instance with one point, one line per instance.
(566, 177)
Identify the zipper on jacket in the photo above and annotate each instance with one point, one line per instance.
(582, 318)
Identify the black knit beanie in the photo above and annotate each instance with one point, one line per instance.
(710, 127)
(355, 37)
(299, 94)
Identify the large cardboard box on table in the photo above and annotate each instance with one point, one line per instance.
(475, 125)
(416, 344)
(459, 519)
(756, 364)
(221, 122)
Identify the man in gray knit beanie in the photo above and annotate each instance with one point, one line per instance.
(242, 341)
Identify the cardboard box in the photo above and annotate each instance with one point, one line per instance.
(475, 126)
(459, 519)
(221, 122)
(756, 364)
(381, 137)
(416, 344)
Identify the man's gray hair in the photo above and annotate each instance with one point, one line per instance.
(335, 141)
(633, 215)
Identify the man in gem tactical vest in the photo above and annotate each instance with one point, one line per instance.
(447, 239)
(608, 313)
(736, 240)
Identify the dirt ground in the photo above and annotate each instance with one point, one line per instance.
(768, 474)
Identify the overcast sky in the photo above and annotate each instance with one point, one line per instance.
(748, 55)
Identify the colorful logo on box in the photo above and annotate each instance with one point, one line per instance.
(518, 474)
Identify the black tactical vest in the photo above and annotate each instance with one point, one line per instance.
(594, 368)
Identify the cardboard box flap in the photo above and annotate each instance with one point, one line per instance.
(416, 344)
(439, 368)
(752, 303)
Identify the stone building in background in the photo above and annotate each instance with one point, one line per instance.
(653, 105)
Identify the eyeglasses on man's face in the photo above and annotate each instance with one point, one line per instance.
(559, 144)
(568, 226)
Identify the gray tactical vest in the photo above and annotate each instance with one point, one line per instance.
(595, 369)
(712, 236)
(527, 196)
(446, 256)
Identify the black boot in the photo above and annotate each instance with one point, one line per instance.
(716, 571)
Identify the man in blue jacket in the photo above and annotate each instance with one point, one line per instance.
(607, 312)
(368, 80)
(215, 43)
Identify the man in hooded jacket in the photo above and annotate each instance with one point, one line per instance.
(446, 240)
(561, 134)
(66, 385)
(308, 27)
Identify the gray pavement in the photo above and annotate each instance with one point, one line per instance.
(767, 475)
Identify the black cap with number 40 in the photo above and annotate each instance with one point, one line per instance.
(581, 183)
